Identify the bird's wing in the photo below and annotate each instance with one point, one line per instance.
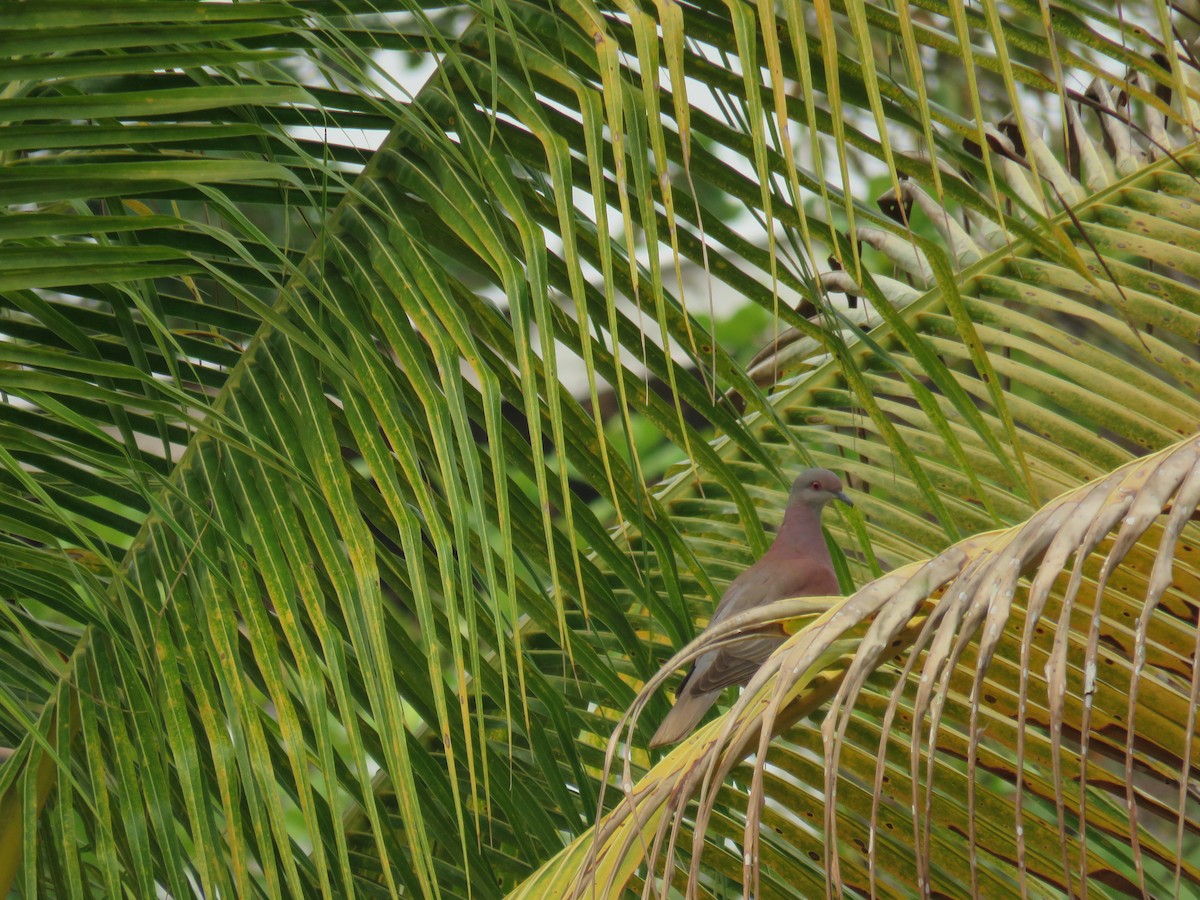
(765, 582)
(769, 580)
(797, 565)
(734, 665)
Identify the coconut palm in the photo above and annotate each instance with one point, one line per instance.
(358, 504)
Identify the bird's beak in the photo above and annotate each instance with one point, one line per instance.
(841, 495)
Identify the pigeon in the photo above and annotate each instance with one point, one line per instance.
(796, 565)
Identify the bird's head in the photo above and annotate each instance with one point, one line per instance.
(816, 487)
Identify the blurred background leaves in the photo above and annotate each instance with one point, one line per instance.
(378, 407)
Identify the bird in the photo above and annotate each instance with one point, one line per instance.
(797, 564)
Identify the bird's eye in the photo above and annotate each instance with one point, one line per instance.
(816, 485)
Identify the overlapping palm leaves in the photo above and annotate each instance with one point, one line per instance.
(364, 634)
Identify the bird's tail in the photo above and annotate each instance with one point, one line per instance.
(689, 709)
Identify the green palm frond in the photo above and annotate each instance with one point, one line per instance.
(318, 579)
(942, 724)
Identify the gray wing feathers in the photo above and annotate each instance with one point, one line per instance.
(735, 665)
(711, 674)
(766, 581)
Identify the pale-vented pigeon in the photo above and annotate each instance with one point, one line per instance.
(796, 565)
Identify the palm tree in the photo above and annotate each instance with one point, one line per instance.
(318, 579)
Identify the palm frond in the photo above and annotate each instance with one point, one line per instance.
(312, 589)
(941, 660)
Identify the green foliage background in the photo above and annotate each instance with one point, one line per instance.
(317, 579)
